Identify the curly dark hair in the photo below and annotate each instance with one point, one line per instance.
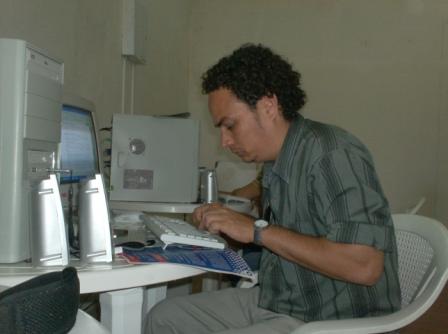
(253, 71)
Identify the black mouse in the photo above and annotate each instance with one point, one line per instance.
(132, 244)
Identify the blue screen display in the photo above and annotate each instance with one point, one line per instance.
(78, 144)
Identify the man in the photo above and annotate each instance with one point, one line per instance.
(329, 249)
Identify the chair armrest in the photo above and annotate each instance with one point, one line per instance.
(380, 324)
(348, 326)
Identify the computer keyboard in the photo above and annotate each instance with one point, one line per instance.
(171, 231)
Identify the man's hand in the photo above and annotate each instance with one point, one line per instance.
(216, 219)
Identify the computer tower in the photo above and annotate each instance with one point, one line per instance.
(30, 107)
(154, 159)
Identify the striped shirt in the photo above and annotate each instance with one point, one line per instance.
(324, 184)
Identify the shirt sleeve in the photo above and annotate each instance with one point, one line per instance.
(349, 200)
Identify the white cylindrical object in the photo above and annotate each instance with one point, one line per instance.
(209, 186)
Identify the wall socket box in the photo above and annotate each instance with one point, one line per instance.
(135, 30)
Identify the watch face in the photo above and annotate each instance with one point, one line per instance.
(261, 223)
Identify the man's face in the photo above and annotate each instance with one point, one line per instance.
(243, 130)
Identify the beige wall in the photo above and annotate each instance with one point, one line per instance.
(161, 86)
(86, 35)
(377, 68)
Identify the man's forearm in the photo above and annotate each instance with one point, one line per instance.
(348, 262)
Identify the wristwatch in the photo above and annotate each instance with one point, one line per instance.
(259, 226)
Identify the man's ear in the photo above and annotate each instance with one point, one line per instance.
(269, 106)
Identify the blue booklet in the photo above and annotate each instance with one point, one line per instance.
(217, 260)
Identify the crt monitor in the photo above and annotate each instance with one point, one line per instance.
(79, 148)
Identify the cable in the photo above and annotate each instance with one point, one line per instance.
(132, 88)
(123, 84)
(71, 232)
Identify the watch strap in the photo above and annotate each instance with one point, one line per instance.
(257, 232)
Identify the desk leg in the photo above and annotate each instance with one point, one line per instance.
(124, 311)
(211, 281)
(152, 295)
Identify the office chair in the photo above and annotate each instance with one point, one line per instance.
(47, 303)
(423, 272)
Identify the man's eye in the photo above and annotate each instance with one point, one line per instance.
(229, 126)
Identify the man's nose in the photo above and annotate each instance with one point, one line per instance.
(226, 138)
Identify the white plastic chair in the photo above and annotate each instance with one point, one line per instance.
(423, 271)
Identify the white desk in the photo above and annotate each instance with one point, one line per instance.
(103, 277)
(109, 277)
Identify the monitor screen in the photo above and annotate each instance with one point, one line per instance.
(78, 151)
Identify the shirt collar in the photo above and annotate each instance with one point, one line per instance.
(282, 164)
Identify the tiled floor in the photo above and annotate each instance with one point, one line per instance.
(434, 321)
